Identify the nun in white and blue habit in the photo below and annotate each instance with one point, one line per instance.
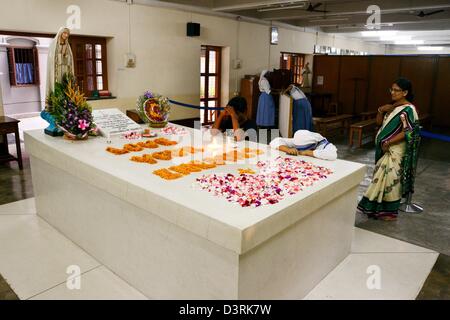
(265, 116)
(302, 118)
(306, 143)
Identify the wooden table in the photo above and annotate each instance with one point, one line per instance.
(9, 125)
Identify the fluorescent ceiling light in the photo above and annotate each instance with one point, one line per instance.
(378, 26)
(395, 38)
(411, 42)
(378, 33)
(430, 48)
(255, 5)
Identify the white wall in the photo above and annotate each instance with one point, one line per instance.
(2, 113)
(413, 50)
(16, 100)
(43, 57)
(168, 62)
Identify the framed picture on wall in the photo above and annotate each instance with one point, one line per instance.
(274, 35)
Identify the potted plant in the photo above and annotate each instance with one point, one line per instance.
(70, 110)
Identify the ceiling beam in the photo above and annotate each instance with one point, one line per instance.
(423, 26)
(355, 8)
(394, 19)
(236, 5)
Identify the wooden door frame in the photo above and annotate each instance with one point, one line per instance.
(218, 76)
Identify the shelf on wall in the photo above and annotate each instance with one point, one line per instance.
(100, 98)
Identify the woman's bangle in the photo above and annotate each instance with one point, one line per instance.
(379, 110)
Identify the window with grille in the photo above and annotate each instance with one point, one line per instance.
(23, 66)
(89, 54)
(210, 84)
(293, 62)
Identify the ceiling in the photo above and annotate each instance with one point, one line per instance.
(427, 20)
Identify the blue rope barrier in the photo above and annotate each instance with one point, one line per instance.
(195, 107)
(431, 135)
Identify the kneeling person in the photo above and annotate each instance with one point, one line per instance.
(234, 118)
(306, 143)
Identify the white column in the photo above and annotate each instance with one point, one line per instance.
(4, 74)
(43, 55)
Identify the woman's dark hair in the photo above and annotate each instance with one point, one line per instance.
(406, 85)
(239, 104)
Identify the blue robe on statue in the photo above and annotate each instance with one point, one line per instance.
(265, 116)
(302, 115)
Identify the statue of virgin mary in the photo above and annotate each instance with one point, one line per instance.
(305, 73)
(60, 62)
(60, 59)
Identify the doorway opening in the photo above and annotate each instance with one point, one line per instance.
(210, 82)
(295, 63)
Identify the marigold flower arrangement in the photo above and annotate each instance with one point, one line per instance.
(71, 112)
(153, 109)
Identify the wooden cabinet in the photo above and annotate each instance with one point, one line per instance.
(441, 98)
(360, 84)
(278, 79)
(250, 91)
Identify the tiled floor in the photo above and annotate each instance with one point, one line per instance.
(15, 184)
(99, 283)
(437, 285)
(401, 268)
(34, 259)
(5, 291)
(430, 229)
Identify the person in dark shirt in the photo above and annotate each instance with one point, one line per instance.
(234, 118)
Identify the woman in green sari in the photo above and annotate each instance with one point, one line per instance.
(395, 154)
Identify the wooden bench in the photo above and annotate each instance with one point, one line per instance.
(362, 129)
(368, 127)
(330, 124)
(368, 115)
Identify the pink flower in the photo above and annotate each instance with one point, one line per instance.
(83, 124)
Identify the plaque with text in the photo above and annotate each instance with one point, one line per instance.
(113, 121)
